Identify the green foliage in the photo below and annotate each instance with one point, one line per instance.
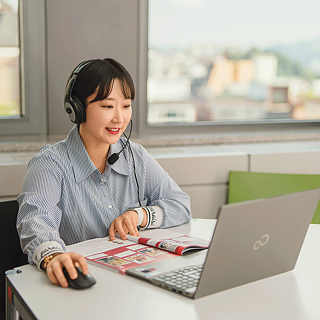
(239, 55)
(288, 67)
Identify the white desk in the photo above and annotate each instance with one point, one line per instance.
(292, 295)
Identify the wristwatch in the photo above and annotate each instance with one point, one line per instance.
(140, 213)
(47, 259)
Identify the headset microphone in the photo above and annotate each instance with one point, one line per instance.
(115, 156)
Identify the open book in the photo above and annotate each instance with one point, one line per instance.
(152, 245)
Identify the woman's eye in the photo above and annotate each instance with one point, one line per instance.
(107, 107)
(128, 106)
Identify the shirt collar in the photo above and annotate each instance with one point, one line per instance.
(121, 165)
(81, 162)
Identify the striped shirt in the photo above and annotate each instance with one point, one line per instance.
(65, 199)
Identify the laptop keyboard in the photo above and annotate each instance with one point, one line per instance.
(183, 281)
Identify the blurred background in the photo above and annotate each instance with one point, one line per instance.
(207, 61)
(233, 60)
(9, 59)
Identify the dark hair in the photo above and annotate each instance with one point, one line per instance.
(100, 74)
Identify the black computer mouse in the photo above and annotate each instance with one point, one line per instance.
(81, 282)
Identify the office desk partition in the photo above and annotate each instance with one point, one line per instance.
(292, 295)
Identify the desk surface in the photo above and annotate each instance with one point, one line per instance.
(292, 295)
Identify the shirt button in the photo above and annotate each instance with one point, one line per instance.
(109, 206)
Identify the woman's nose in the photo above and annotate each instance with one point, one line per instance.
(118, 116)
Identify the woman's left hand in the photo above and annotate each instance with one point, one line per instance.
(126, 223)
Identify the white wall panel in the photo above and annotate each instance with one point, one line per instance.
(11, 179)
(301, 157)
(12, 170)
(291, 162)
(203, 170)
(206, 200)
(200, 165)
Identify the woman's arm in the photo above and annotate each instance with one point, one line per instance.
(39, 219)
(39, 216)
(162, 191)
(164, 204)
(166, 201)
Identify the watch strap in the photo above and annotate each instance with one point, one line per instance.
(47, 259)
(140, 213)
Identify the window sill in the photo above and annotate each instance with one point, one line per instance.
(34, 143)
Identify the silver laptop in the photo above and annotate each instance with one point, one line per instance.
(252, 240)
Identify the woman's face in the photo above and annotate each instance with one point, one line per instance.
(107, 119)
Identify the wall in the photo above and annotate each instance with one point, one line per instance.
(201, 171)
(77, 31)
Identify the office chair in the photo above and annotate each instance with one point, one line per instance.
(245, 185)
(10, 250)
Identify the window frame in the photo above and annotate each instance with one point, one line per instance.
(33, 96)
(34, 87)
(203, 126)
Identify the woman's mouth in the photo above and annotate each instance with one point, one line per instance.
(113, 130)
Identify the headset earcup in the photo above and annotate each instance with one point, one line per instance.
(73, 106)
(79, 110)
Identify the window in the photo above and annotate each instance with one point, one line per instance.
(9, 59)
(233, 61)
(22, 67)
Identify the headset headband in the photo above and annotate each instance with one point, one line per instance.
(68, 94)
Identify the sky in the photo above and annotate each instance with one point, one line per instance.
(235, 23)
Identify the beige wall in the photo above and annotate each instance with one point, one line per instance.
(202, 172)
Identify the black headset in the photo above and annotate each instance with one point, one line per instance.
(76, 112)
(73, 106)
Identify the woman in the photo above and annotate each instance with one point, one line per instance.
(71, 193)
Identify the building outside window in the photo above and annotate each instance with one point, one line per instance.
(233, 61)
(9, 60)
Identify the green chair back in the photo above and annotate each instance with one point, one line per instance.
(254, 185)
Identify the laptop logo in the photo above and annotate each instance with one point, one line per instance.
(262, 242)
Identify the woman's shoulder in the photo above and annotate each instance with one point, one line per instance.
(54, 153)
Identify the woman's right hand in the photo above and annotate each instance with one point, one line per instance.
(69, 260)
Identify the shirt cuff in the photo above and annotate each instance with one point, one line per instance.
(46, 249)
(155, 217)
